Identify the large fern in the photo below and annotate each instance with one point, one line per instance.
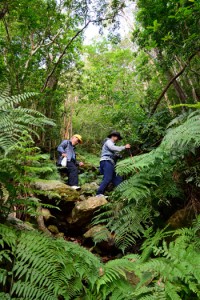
(15, 119)
(177, 141)
(149, 181)
(20, 161)
(18, 169)
(175, 271)
(172, 274)
(44, 268)
(126, 221)
(33, 266)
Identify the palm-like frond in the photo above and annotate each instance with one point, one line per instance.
(175, 267)
(44, 268)
(126, 221)
(185, 137)
(137, 187)
(177, 140)
(15, 119)
(23, 164)
(150, 173)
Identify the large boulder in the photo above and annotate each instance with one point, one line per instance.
(55, 190)
(48, 185)
(83, 211)
(99, 234)
(17, 223)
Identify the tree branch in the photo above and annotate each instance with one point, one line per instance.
(170, 82)
(35, 48)
(65, 49)
(3, 11)
(62, 54)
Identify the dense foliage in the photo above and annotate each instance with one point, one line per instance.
(156, 179)
(34, 266)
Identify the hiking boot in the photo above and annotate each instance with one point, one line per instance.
(75, 187)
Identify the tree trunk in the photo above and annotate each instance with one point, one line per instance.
(178, 89)
(189, 81)
(170, 82)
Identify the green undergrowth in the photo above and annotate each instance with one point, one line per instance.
(36, 267)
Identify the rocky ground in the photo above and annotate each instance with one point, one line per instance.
(68, 213)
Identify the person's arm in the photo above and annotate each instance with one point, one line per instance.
(113, 147)
(62, 147)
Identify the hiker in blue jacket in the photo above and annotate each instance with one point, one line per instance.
(67, 149)
(108, 160)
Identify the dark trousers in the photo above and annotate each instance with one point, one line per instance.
(109, 175)
(72, 173)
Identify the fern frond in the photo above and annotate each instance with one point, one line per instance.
(138, 163)
(14, 120)
(179, 139)
(186, 135)
(173, 268)
(7, 102)
(126, 221)
(47, 269)
(137, 187)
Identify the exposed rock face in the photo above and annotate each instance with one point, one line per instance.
(53, 229)
(83, 211)
(73, 209)
(19, 224)
(46, 214)
(103, 239)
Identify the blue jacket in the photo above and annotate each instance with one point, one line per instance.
(66, 147)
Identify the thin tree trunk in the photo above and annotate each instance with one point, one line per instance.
(161, 83)
(13, 68)
(178, 89)
(170, 83)
(190, 83)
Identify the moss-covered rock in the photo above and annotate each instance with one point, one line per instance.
(83, 211)
(89, 188)
(94, 231)
(53, 229)
(55, 190)
(48, 185)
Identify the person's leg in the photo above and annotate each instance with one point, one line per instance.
(72, 171)
(116, 179)
(107, 169)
